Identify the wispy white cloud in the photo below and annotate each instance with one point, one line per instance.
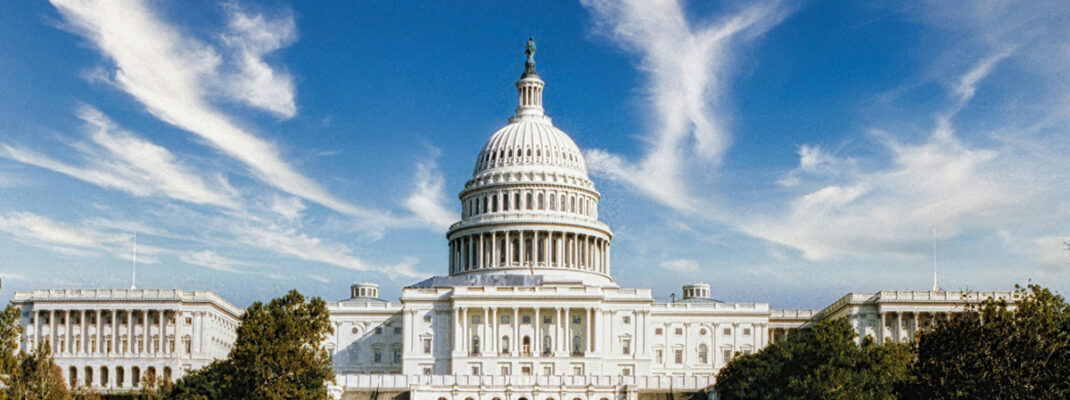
(680, 265)
(305, 247)
(43, 232)
(942, 183)
(210, 259)
(257, 83)
(172, 74)
(118, 159)
(687, 69)
(428, 196)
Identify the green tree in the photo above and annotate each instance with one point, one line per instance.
(10, 329)
(203, 384)
(37, 377)
(822, 362)
(277, 355)
(997, 352)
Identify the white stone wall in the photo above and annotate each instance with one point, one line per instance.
(96, 345)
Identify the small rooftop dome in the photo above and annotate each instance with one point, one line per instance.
(364, 290)
(697, 291)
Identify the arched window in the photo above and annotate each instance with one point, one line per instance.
(120, 376)
(89, 376)
(104, 376)
(525, 345)
(703, 354)
(563, 204)
(505, 345)
(72, 374)
(529, 202)
(553, 204)
(572, 204)
(135, 379)
(541, 207)
(505, 202)
(546, 344)
(494, 204)
(529, 153)
(516, 201)
(538, 153)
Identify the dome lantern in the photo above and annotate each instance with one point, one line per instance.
(529, 88)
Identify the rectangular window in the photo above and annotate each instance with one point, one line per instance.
(727, 355)
(475, 319)
(377, 355)
(577, 370)
(525, 371)
(576, 320)
(547, 370)
(427, 370)
(397, 356)
(547, 320)
(679, 331)
(678, 356)
(746, 331)
(525, 319)
(659, 356)
(728, 331)
(189, 320)
(475, 370)
(626, 371)
(427, 346)
(626, 346)
(505, 319)
(505, 370)
(627, 319)
(427, 318)
(378, 330)
(658, 331)
(397, 330)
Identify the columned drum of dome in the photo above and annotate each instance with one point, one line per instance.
(530, 206)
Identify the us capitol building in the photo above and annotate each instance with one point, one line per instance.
(528, 311)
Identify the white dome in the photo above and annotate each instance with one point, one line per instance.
(530, 207)
(530, 142)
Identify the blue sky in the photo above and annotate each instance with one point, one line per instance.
(784, 152)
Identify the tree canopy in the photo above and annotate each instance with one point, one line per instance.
(997, 352)
(822, 362)
(277, 355)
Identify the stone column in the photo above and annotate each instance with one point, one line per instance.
(557, 330)
(536, 340)
(53, 326)
(514, 348)
(492, 340)
(131, 342)
(115, 331)
(486, 342)
(713, 344)
(481, 253)
(68, 325)
(588, 334)
(508, 250)
(880, 331)
(457, 330)
(148, 331)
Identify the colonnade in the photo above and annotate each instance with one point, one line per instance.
(556, 331)
(905, 327)
(552, 200)
(85, 333)
(524, 248)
